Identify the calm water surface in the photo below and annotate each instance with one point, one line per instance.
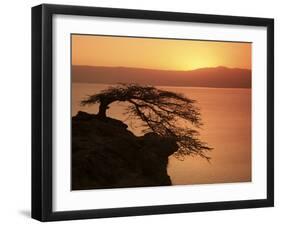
(226, 114)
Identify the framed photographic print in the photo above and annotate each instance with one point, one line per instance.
(145, 112)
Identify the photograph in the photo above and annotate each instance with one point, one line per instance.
(141, 112)
(149, 111)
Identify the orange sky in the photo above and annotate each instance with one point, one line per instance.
(164, 54)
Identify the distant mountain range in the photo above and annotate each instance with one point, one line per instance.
(219, 77)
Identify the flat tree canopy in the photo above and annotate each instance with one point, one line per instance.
(165, 113)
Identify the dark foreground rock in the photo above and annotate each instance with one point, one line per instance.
(107, 155)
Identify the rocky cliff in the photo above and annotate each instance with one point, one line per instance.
(105, 154)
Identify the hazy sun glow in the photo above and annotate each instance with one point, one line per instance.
(167, 54)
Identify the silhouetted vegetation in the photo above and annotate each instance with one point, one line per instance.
(162, 112)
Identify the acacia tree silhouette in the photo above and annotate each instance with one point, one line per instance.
(165, 113)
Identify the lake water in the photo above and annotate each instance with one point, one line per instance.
(226, 114)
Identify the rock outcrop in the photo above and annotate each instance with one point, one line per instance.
(105, 154)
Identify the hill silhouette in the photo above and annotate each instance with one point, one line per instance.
(217, 77)
(101, 159)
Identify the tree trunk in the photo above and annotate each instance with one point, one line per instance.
(102, 110)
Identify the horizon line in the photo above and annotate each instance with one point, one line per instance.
(202, 87)
(158, 69)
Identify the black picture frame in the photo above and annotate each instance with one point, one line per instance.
(42, 107)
